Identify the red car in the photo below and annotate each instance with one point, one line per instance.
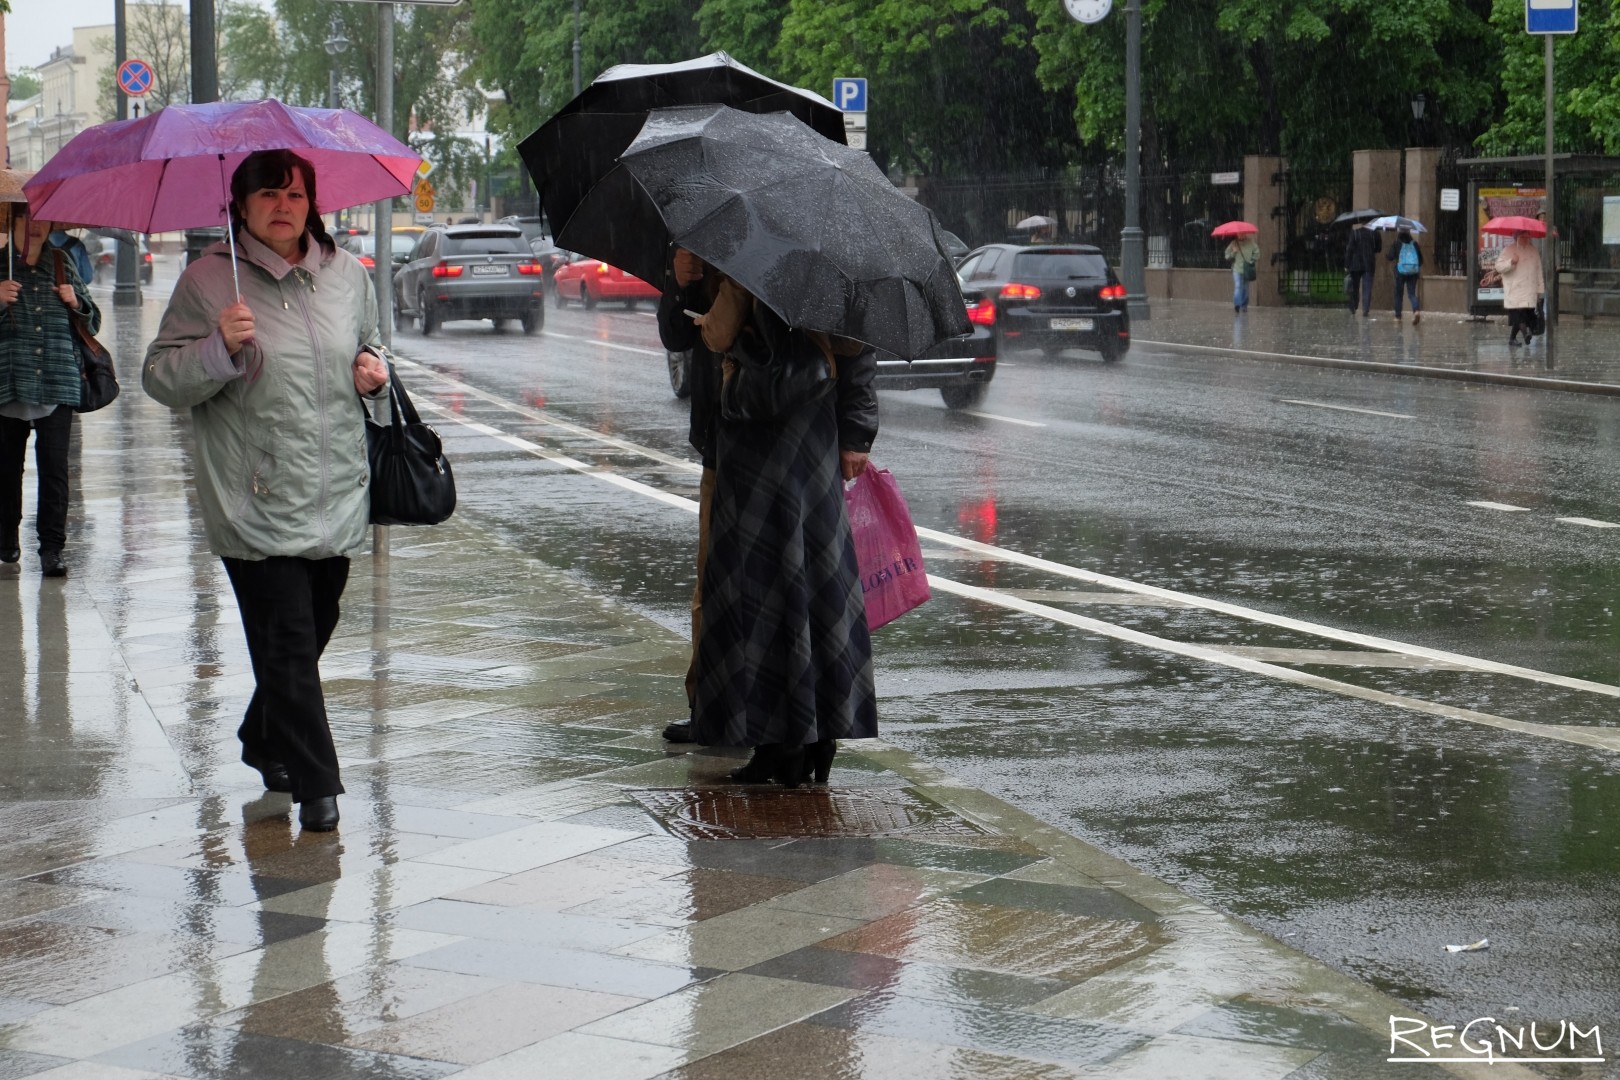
(589, 280)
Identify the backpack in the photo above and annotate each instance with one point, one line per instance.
(1408, 262)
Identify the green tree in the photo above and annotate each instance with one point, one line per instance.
(952, 83)
(24, 84)
(1586, 72)
(747, 29)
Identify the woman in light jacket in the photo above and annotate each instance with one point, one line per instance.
(1522, 285)
(272, 378)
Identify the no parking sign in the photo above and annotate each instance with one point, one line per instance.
(135, 77)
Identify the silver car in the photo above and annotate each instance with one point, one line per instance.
(471, 272)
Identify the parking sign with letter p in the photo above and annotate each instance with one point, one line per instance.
(850, 94)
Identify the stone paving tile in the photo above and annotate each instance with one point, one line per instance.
(873, 892)
(1208, 1059)
(686, 897)
(531, 927)
(494, 1023)
(576, 1054)
(712, 1016)
(528, 847)
(91, 1070)
(14, 1064)
(622, 975)
(342, 1009)
(1013, 940)
(807, 1049)
(865, 971)
(996, 1031)
(740, 939)
(210, 1053)
(172, 883)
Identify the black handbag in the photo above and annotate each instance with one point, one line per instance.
(411, 482)
(1538, 317)
(777, 370)
(98, 382)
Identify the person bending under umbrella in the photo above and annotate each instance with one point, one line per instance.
(39, 384)
(271, 378)
(784, 658)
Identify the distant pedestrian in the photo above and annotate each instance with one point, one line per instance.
(1408, 260)
(75, 250)
(1244, 255)
(1522, 285)
(39, 386)
(1361, 260)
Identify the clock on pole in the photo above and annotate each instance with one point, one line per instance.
(1088, 11)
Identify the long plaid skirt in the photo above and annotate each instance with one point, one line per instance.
(783, 651)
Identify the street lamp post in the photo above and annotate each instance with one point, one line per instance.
(1132, 242)
(336, 46)
(576, 47)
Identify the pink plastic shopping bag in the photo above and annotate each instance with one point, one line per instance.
(893, 580)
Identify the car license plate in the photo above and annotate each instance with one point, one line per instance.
(480, 270)
(1071, 324)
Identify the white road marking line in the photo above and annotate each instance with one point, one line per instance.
(1601, 738)
(1591, 523)
(1346, 408)
(1472, 663)
(1506, 507)
(604, 344)
(1003, 419)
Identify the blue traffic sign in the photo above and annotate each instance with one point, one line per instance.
(135, 77)
(850, 94)
(1550, 16)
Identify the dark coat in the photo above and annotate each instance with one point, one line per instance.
(1360, 254)
(678, 333)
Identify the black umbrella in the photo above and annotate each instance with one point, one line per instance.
(1357, 215)
(593, 207)
(809, 226)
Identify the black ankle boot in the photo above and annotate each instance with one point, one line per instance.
(818, 759)
(319, 815)
(10, 549)
(760, 768)
(274, 772)
(51, 564)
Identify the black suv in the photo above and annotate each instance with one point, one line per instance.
(470, 272)
(1048, 296)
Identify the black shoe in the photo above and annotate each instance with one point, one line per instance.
(274, 772)
(818, 759)
(681, 732)
(775, 762)
(10, 549)
(319, 815)
(1513, 339)
(51, 564)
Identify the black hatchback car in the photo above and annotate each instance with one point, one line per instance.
(1048, 296)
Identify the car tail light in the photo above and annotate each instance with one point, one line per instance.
(368, 262)
(530, 268)
(446, 270)
(1112, 292)
(1015, 291)
(983, 313)
(146, 256)
(602, 268)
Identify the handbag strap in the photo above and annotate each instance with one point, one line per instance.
(79, 328)
(400, 401)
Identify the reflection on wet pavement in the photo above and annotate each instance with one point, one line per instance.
(527, 883)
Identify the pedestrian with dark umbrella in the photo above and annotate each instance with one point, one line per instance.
(1361, 260)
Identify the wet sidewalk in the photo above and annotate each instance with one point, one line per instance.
(527, 881)
(1443, 344)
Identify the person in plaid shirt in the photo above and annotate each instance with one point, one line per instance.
(39, 385)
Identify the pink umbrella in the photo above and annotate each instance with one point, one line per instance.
(1507, 226)
(171, 169)
(1234, 228)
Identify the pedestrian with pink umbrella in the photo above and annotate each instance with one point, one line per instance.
(1521, 270)
(1244, 256)
(269, 341)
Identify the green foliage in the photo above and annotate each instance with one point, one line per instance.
(1586, 75)
(24, 83)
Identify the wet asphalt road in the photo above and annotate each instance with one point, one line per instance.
(1365, 831)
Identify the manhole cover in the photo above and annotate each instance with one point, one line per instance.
(763, 814)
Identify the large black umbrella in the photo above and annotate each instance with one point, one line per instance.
(594, 208)
(809, 226)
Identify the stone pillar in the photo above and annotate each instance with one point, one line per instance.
(1378, 185)
(1421, 199)
(1263, 206)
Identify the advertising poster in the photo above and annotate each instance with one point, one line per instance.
(1499, 201)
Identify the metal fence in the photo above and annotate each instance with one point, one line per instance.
(1310, 267)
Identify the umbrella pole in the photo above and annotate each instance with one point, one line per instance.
(230, 233)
